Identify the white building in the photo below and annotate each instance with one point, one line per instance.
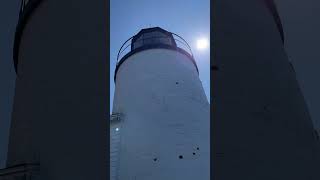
(160, 125)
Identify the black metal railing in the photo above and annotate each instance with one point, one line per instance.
(179, 42)
(115, 117)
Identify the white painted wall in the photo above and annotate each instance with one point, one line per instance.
(161, 119)
(115, 133)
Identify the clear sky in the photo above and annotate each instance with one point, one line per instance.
(188, 18)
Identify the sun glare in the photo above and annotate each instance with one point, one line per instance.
(202, 43)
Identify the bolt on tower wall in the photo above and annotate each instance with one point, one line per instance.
(58, 120)
(262, 128)
(163, 124)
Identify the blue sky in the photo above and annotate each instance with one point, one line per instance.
(188, 18)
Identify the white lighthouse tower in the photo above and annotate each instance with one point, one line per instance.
(160, 122)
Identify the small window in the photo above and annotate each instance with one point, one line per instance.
(159, 34)
(138, 44)
(149, 35)
(151, 38)
(150, 41)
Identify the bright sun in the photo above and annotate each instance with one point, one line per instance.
(202, 43)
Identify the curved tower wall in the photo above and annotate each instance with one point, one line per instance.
(60, 104)
(164, 117)
(262, 128)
